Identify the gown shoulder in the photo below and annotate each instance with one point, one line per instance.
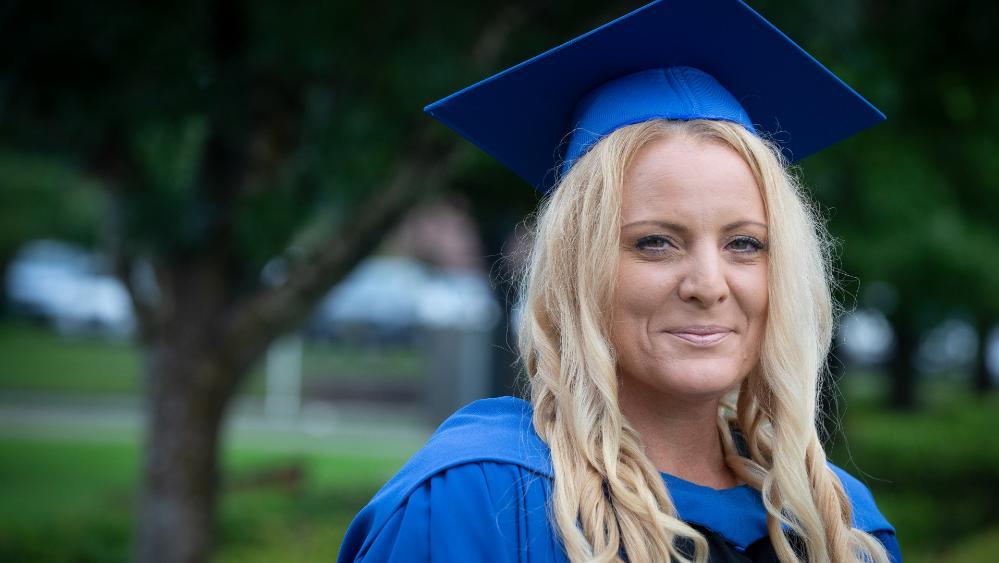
(478, 511)
(479, 489)
(866, 515)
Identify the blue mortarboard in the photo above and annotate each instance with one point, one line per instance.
(675, 59)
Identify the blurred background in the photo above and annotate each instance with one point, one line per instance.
(243, 277)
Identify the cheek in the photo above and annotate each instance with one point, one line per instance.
(635, 299)
(639, 292)
(754, 300)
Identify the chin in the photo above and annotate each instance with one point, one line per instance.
(699, 380)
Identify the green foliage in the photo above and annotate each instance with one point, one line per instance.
(982, 547)
(914, 200)
(314, 101)
(934, 474)
(44, 197)
(259, 116)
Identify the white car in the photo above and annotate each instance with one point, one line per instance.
(65, 285)
(389, 298)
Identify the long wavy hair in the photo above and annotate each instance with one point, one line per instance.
(608, 498)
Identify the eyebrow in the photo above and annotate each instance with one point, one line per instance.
(683, 229)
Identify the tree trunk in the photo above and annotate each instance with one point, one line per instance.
(5, 259)
(186, 402)
(203, 333)
(983, 379)
(903, 371)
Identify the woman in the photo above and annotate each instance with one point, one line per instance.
(677, 317)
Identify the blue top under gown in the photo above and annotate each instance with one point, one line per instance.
(478, 491)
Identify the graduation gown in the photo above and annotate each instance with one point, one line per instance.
(479, 490)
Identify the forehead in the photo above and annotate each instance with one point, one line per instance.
(686, 179)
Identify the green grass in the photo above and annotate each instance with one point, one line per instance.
(64, 501)
(934, 474)
(72, 501)
(39, 361)
(68, 496)
(35, 359)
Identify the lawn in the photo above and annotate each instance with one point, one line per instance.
(934, 474)
(38, 361)
(67, 490)
(72, 500)
(67, 494)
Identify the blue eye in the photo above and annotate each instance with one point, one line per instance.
(653, 243)
(746, 245)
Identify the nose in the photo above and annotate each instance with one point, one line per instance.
(703, 279)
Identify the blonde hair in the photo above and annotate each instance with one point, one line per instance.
(608, 498)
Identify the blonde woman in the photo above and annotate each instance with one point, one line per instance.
(677, 314)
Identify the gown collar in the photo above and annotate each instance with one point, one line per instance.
(501, 430)
(737, 513)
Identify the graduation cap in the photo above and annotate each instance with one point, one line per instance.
(674, 59)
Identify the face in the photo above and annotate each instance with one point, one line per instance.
(690, 304)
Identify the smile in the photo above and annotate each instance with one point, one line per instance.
(702, 340)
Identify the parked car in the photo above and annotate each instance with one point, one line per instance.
(66, 286)
(389, 299)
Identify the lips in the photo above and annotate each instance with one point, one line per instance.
(701, 335)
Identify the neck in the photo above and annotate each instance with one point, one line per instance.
(680, 436)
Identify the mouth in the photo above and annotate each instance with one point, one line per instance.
(699, 336)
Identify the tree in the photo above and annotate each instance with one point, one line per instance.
(913, 201)
(42, 197)
(224, 137)
(230, 139)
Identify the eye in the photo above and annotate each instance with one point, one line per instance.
(653, 243)
(746, 245)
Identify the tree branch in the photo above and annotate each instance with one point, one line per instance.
(425, 166)
(123, 267)
(113, 163)
(275, 310)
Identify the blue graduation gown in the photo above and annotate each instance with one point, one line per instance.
(479, 490)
